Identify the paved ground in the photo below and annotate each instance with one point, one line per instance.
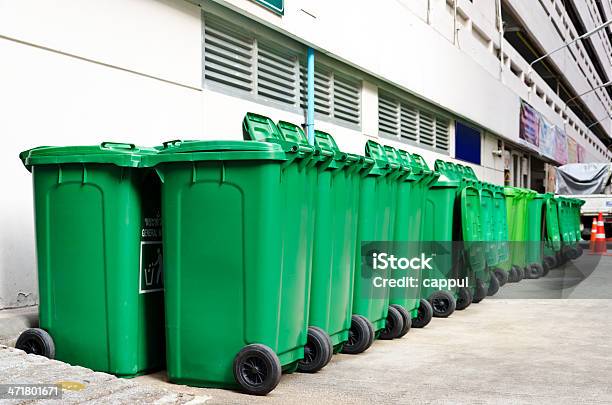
(531, 351)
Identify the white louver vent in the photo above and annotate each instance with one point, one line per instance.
(404, 120)
(228, 56)
(277, 74)
(258, 66)
(323, 90)
(347, 99)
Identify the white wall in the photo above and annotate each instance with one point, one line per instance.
(49, 98)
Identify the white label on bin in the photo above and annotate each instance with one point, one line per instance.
(151, 267)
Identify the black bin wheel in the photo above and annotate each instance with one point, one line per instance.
(536, 270)
(361, 336)
(501, 275)
(424, 315)
(317, 352)
(443, 303)
(406, 319)
(393, 325)
(36, 341)
(493, 286)
(257, 369)
(520, 272)
(481, 292)
(464, 298)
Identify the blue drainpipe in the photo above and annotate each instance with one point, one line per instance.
(310, 96)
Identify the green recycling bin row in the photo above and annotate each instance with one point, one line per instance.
(259, 269)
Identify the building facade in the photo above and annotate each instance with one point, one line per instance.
(446, 79)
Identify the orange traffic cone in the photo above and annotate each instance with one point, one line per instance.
(593, 234)
(600, 238)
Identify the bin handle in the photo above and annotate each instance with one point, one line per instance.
(110, 145)
(171, 143)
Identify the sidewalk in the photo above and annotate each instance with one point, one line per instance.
(84, 385)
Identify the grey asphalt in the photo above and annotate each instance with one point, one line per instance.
(505, 350)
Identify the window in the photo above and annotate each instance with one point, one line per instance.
(467, 143)
(402, 119)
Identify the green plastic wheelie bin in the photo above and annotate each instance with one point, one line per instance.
(467, 235)
(489, 242)
(551, 237)
(377, 204)
(331, 289)
(420, 179)
(577, 204)
(335, 250)
(569, 251)
(438, 239)
(534, 242)
(237, 232)
(406, 299)
(501, 236)
(516, 204)
(99, 253)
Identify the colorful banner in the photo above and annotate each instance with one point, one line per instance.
(547, 138)
(581, 153)
(529, 124)
(572, 153)
(560, 146)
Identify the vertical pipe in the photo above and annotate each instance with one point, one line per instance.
(310, 96)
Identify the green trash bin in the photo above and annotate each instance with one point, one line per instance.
(517, 222)
(534, 243)
(99, 252)
(420, 179)
(438, 239)
(501, 236)
(467, 235)
(492, 216)
(377, 204)
(237, 233)
(337, 206)
(406, 299)
(551, 236)
(569, 250)
(578, 223)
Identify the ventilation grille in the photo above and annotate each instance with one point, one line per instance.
(406, 121)
(228, 56)
(276, 74)
(347, 99)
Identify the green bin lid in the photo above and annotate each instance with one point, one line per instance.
(381, 166)
(115, 153)
(256, 127)
(292, 132)
(192, 151)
